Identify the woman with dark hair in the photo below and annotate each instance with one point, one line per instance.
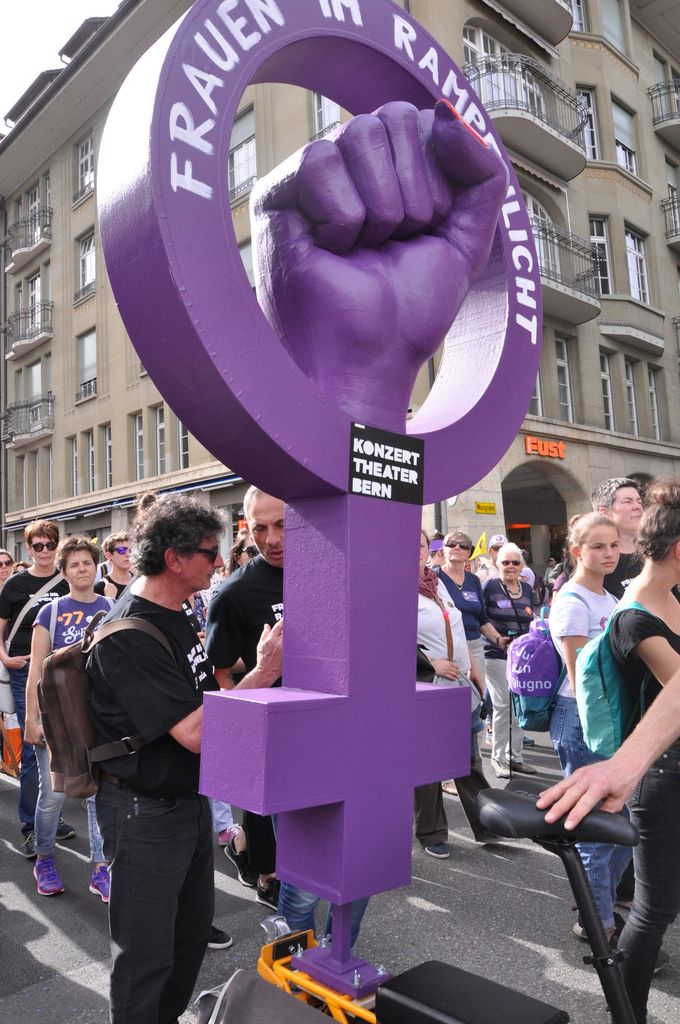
(59, 624)
(241, 551)
(20, 599)
(6, 566)
(646, 642)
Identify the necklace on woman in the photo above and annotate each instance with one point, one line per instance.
(507, 590)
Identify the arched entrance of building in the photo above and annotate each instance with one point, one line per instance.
(538, 499)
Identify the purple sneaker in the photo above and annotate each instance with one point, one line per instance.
(47, 877)
(100, 882)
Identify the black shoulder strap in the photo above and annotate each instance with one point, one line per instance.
(128, 744)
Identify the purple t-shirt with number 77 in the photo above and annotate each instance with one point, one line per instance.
(72, 619)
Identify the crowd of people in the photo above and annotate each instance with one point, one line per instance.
(223, 619)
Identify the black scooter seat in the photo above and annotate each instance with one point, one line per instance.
(512, 814)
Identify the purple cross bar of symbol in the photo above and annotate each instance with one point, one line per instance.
(336, 761)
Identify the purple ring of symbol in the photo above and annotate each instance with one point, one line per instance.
(176, 270)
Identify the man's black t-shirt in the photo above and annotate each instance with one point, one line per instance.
(249, 598)
(628, 568)
(120, 587)
(19, 589)
(629, 628)
(138, 688)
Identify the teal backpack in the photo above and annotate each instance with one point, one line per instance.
(607, 710)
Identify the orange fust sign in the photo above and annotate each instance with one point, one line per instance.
(540, 446)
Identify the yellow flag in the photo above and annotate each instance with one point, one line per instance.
(480, 548)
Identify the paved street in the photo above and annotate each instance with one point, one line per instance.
(502, 911)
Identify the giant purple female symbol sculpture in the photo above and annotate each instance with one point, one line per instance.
(367, 246)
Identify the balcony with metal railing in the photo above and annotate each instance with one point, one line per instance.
(535, 113)
(665, 97)
(28, 328)
(551, 19)
(28, 237)
(28, 421)
(242, 189)
(88, 289)
(671, 212)
(568, 267)
(88, 389)
(325, 131)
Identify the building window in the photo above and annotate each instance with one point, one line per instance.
(636, 258)
(35, 467)
(544, 237)
(85, 167)
(652, 375)
(90, 463)
(138, 444)
(34, 309)
(159, 424)
(87, 366)
(33, 197)
(564, 396)
(182, 445)
(600, 241)
(20, 467)
(612, 23)
(624, 138)
(72, 454)
(536, 402)
(108, 455)
(587, 98)
(242, 155)
(326, 114)
(33, 380)
(86, 266)
(578, 10)
(50, 473)
(246, 251)
(631, 398)
(607, 403)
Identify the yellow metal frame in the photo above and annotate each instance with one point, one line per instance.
(300, 986)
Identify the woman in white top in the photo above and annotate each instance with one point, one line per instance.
(579, 612)
(451, 663)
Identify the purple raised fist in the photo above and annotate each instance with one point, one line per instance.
(366, 246)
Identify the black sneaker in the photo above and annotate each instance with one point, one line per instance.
(240, 862)
(65, 831)
(28, 846)
(219, 939)
(268, 894)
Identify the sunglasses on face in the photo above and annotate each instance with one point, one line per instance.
(49, 545)
(212, 554)
(251, 550)
(121, 550)
(511, 563)
(6, 565)
(458, 544)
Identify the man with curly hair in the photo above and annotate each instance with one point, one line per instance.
(157, 828)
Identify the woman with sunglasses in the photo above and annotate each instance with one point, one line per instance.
(116, 549)
(508, 606)
(6, 566)
(24, 593)
(241, 551)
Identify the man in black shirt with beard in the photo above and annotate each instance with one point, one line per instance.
(247, 609)
(157, 829)
(619, 499)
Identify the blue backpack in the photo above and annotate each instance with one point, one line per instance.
(606, 708)
(534, 674)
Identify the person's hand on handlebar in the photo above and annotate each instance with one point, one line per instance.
(610, 782)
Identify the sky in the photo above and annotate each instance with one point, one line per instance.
(33, 33)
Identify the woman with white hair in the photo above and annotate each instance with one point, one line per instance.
(508, 607)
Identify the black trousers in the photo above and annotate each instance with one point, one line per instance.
(261, 842)
(162, 900)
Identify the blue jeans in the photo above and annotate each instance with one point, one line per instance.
(604, 863)
(48, 808)
(655, 812)
(28, 778)
(222, 816)
(162, 900)
(298, 906)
